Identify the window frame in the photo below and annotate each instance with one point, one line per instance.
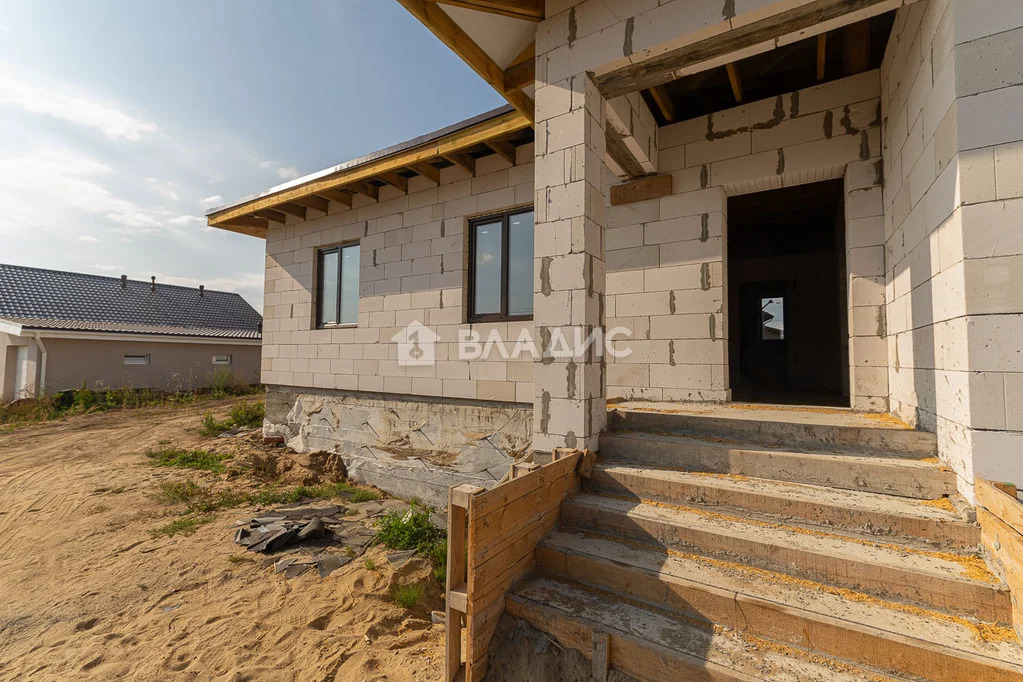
(505, 218)
(318, 307)
(229, 356)
(147, 360)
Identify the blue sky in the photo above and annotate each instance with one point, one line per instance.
(121, 122)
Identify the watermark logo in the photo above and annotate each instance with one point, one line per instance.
(416, 345)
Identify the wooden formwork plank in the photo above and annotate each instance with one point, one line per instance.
(999, 503)
(519, 513)
(514, 489)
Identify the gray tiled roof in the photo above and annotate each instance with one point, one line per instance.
(52, 299)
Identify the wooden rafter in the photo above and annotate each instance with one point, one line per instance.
(822, 56)
(257, 227)
(736, 81)
(427, 170)
(415, 158)
(522, 71)
(289, 207)
(529, 10)
(317, 203)
(663, 101)
(270, 214)
(337, 195)
(464, 160)
(366, 189)
(504, 148)
(449, 33)
(399, 182)
(856, 47)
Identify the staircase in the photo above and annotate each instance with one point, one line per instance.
(751, 544)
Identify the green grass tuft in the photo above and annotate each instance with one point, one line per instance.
(414, 530)
(188, 459)
(185, 526)
(363, 495)
(244, 414)
(407, 596)
(172, 492)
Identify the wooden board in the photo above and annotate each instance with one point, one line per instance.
(641, 190)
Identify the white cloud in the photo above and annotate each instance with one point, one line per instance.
(108, 268)
(212, 201)
(187, 220)
(60, 101)
(168, 190)
(88, 238)
(283, 172)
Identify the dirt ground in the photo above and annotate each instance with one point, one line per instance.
(87, 594)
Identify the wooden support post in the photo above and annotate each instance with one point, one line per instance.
(733, 78)
(822, 56)
(601, 655)
(459, 498)
(856, 47)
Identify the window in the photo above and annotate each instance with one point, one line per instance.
(337, 296)
(501, 267)
(136, 359)
(221, 359)
(772, 319)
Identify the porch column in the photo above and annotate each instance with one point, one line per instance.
(569, 404)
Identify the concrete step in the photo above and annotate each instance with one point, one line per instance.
(653, 645)
(784, 615)
(956, 583)
(869, 473)
(866, 513)
(816, 429)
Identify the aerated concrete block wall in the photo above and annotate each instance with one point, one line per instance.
(413, 252)
(952, 95)
(667, 261)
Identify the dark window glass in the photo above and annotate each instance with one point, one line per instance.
(338, 291)
(501, 267)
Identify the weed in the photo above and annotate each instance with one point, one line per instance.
(184, 526)
(370, 564)
(407, 596)
(244, 414)
(172, 492)
(413, 530)
(225, 499)
(188, 459)
(211, 427)
(362, 495)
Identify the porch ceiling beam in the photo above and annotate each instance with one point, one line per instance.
(416, 158)
(808, 19)
(528, 10)
(314, 202)
(522, 71)
(463, 160)
(856, 48)
(366, 189)
(619, 152)
(290, 208)
(504, 148)
(427, 170)
(663, 101)
(399, 182)
(735, 81)
(449, 33)
(270, 214)
(337, 195)
(254, 227)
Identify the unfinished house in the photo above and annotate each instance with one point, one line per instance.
(803, 220)
(67, 330)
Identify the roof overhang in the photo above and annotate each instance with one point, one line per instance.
(141, 338)
(9, 327)
(253, 215)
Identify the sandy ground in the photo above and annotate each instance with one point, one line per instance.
(87, 594)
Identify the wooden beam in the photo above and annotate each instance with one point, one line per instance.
(733, 78)
(399, 182)
(522, 71)
(314, 202)
(806, 20)
(621, 155)
(822, 56)
(366, 189)
(270, 214)
(663, 101)
(449, 33)
(504, 148)
(497, 127)
(427, 170)
(641, 190)
(337, 195)
(463, 160)
(856, 48)
(254, 227)
(290, 208)
(528, 10)
(998, 502)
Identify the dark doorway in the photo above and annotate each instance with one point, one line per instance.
(788, 329)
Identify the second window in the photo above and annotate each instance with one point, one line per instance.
(501, 267)
(338, 277)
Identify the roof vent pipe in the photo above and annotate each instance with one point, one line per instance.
(152, 287)
(201, 287)
(124, 281)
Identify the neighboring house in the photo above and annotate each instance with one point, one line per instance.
(666, 167)
(61, 330)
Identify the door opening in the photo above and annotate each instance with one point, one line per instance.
(788, 330)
